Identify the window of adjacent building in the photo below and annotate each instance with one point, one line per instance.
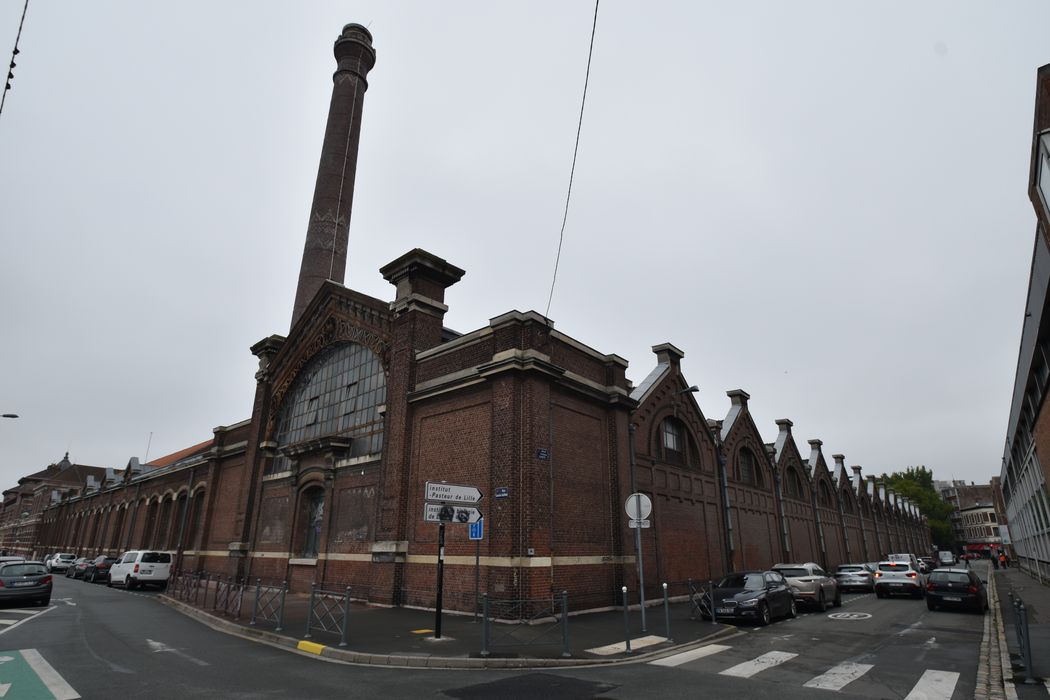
(339, 393)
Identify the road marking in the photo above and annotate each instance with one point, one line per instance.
(46, 673)
(25, 620)
(621, 647)
(849, 616)
(422, 631)
(838, 677)
(691, 655)
(67, 601)
(934, 685)
(159, 647)
(4, 687)
(759, 664)
(23, 611)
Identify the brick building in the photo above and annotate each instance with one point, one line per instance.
(365, 400)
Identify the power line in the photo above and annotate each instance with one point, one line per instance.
(11, 67)
(575, 150)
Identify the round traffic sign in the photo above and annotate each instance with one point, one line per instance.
(638, 506)
(849, 616)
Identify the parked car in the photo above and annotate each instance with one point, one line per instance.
(98, 569)
(76, 569)
(753, 595)
(25, 580)
(811, 585)
(855, 576)
(898, 578)
(60, 562)
(946, 558)
(961, 588)
(926, 565)
(139, 568)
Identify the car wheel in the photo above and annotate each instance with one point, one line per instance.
(763, 615)
(45, 601)
(92, 579)
(878, 593)
(130, 583)
(822, 602)
(930, 605)
(838, 598)
(792, 609)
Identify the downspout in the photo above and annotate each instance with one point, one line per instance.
(778, 492)
(727, 519)
(817, 523)
(182, 522)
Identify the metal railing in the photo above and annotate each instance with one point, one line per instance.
(329, 611)
(268, 605)
(525, 622)
(229, 595)
(701, 598)
(1024, 640)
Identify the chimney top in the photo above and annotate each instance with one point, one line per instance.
(815, 443)
(739, 397)
(668, 354)
(785, 424)
(856, 468)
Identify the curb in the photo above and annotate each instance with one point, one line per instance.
(405, 661)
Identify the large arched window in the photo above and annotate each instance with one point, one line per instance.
(673, 443)
(339, 393)
(748, 470)
(847, 501)
(792, 483)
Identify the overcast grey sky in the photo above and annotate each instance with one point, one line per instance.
(823, 204)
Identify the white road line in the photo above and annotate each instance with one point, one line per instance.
(54, 682)
(22, 622)
(691, 655)
(934, 685)
(758, 664)
(621, 647)
(838, 677)
(23, 611)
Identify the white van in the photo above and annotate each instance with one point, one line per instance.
(945, 558)
(141, 567)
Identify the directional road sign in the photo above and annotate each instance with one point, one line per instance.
(452, 493)
(459, 514)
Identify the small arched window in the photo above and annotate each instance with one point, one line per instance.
(824, 495)
(847, 501)
(673, 443)
(792, 483)
(311, 517)
(748, 470)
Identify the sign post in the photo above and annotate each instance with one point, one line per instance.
(638, 507)
(450, 503)
(477, 532)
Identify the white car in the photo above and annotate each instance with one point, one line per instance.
(60, 562)
(141, 567)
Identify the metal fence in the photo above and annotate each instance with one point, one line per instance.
(526, 622)
(229, 595)
(268, 605)
(701, 599)
(329, 611)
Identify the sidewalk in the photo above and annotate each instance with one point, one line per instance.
(406, 637)
(1036, 598)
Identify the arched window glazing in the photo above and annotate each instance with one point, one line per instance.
(824, 495)
(792, 483)
(338, 394)
(748, 470)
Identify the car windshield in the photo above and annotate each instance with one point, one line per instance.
(749, 582)
(793, 573)
(23, 570)
(894, 567)
(156, 558)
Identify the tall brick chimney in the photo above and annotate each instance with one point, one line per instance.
(324, 255)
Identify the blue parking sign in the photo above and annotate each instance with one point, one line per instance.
(477, 530)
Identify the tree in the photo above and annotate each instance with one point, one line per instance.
(916, 484)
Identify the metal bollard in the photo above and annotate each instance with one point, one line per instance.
(711, 592)
(565, 653)
(240, 598)
(626, 625)
(310, 610)
(346, 618)
(280, 610)
(667, 615)
(484, 625)
(255, 605)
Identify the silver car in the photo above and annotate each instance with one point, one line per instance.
(899, 578)
(811, 585)
(855, 576)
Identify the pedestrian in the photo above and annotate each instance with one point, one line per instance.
(1003, 561)
(995, 561)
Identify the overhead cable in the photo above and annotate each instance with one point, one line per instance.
(11, 66)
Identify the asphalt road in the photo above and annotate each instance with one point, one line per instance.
(106, 643)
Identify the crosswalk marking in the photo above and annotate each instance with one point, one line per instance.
(692, 655)
(621, 647)
(839, 677)
(934, 685)
(758, 664)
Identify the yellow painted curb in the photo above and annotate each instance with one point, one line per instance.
(311, 647)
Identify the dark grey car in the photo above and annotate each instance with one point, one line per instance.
(753, 595)
(25, 580)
